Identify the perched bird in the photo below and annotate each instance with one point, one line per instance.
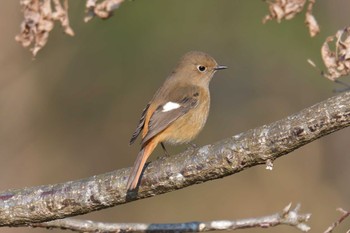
(178, 110)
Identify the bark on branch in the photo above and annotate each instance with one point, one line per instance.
(226, 157)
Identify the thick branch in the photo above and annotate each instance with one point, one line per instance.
(287, 217)
(226, 157)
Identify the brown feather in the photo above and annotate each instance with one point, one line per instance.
(140, 125)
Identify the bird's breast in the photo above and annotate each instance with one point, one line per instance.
(187, 127)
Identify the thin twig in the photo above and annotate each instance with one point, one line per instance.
(288, 216)
(344, 215)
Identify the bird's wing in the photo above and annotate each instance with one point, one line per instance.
(179, 103)
(140, 125)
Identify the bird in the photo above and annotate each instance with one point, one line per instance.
(177, 112)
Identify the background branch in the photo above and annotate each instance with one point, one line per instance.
(344, 215)
(226, 157)
(288, 216)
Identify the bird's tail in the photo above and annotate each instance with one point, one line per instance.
(140, 161)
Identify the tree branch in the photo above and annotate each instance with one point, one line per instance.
(344, 215)
(287, 217)
(223, 158)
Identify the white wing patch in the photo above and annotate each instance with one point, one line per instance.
(170, 106)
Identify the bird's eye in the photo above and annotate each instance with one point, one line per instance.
(201, 68)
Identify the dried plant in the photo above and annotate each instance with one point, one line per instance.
(40, 15)
(337, 62)
(103, 10)
(287, 9)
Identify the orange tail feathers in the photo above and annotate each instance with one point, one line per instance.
(140, 161)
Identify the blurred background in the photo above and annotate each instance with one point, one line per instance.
(69, 113)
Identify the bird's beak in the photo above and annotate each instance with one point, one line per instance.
(220, 67)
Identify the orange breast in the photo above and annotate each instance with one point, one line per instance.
(187, 127)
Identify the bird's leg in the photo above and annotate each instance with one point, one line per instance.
(192, 146)
(347, 86)
(164, 149)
